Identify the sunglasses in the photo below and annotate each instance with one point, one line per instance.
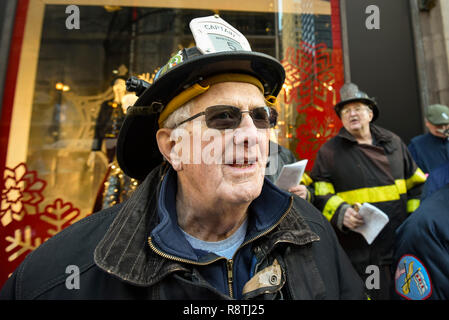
(229, 117)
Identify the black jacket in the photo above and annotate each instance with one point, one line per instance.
(117, 259)
(383, 174)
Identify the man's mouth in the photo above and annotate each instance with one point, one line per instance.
(443, 132)
(243, 163)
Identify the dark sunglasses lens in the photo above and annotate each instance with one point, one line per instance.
(223, 117)
(264, 117)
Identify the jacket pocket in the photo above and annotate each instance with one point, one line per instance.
(269, 280)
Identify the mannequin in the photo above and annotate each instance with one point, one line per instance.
(109, 121)
(116, 186)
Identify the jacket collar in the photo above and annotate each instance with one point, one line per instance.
(265, 211)
(382, 137)
(125, 252)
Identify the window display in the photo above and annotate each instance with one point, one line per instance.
(70, 97)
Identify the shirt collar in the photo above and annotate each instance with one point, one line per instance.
(379, 135)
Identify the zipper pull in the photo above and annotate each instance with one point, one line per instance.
(230, 278)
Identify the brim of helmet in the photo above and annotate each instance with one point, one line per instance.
(137, 150)
(370, 103)
(441, 122)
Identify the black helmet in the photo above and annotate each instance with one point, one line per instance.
(351, 93)
(137, 150)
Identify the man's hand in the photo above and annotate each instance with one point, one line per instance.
(352, 219)
(300, 190)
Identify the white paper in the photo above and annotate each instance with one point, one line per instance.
(375, 220)
(291, 175)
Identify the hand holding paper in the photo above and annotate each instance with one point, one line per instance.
(291, 175)
(375, 220)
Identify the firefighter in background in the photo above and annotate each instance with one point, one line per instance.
(365, 163)
(431, 150)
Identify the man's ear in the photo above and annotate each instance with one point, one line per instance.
(166, 145)
(371, 114)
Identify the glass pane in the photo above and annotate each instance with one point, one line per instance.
(312, 58)
(75, 109)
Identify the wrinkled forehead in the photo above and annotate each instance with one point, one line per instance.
(355, 104)
(239, 94)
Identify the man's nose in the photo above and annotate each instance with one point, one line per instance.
(246, 133)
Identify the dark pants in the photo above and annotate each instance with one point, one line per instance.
(384, 290)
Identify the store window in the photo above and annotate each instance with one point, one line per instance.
(58, 158)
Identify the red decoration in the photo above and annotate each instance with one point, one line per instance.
(314, 76)
(11, 77)
(59, 215)
(21, 194)
(24, 226)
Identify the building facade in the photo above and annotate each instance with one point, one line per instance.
(58, 59)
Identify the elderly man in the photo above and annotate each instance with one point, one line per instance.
(198, 227)
(365, 164)
(431, 150)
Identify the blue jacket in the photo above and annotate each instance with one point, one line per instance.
(429, 151)
(422, 251)
(437, 179)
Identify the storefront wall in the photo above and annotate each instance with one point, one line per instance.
(58, 78)
(383, 63)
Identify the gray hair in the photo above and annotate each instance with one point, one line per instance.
(179, 115)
